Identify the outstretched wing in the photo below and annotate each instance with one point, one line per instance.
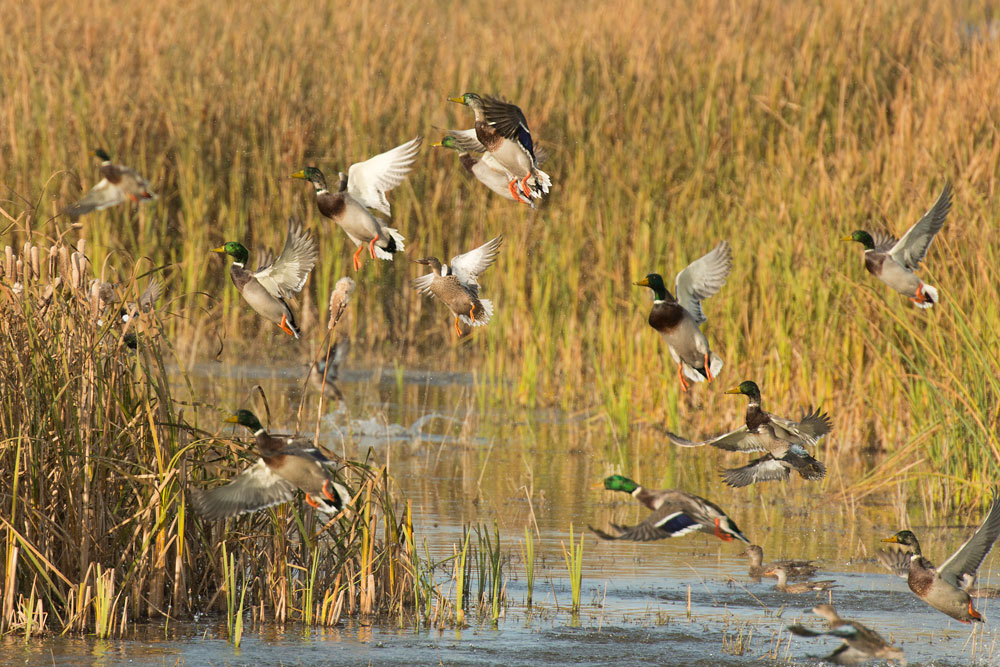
(912, 248)
(508, 120)
(740, 440)
(368, 181)
(765, 469)
(423, 283)
(100, 197)
(896, 561)
(702, 278)
(960, 569)
(468, 266)
(813, 426)
(253, 489)
(288, 273)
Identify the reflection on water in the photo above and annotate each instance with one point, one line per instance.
(682, 601)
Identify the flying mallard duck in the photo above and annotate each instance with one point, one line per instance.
(795, 569)
(946, 588)
(267, 288)
(458, 285)
(486, 169)
(286, 464)
(782, 439)
(675, 513)
(502, 131)
(118, 184)
(861, 643)
(800, 587)
(679, 319)
(895, 262)
(364, 187)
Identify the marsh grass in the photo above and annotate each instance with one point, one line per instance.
(778, 125)
(573, 555)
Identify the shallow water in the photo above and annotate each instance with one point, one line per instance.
(461, 465)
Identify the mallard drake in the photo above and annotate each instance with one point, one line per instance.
(486, 169)
(675, 513)
(679, 319)
(364, 187)
(324, 371)
(117, 184)
(267, 288)
(457, 286)
(800, 587)
(782, 439)
(895, 262)
(287, 463)
(502, 131)
(946, 588)
(795, 569)
(861, 643)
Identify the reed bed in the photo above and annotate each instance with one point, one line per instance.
(94, 461)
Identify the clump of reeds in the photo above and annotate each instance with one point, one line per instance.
(96, 456)
(573, 556)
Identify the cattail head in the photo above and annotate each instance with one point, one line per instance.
(339, 299)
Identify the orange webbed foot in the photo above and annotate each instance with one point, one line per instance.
(284, 326)
(371, 246)
(328, 493)
(524, 187)
(312, 503)
(357, 257)
(708, 369)
(680, 376)
(458, 330)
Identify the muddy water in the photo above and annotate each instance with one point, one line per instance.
(685, 601)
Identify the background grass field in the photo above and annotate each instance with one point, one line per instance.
(779, 126)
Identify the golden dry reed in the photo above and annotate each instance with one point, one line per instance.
(780, 126)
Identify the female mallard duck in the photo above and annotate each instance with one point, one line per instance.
(946, 588)
(502, 131)
(458, 285)
(324, 371)
(117, 184)
(782, 439)
(287, 463)
(800, 587)
(895, 262)
(364, 187)
(795, 569)
(679, 319)
(486, 169)
(861, 643)
(675, 513)
(267, 288)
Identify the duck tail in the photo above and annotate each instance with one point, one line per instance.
(331, 508)
(394, 245)
(482, 317)
(540, 183)
(930, 295)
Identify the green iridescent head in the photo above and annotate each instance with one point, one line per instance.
(620, 483)
(906, 538)
(748, 388)
(862, 237)
(654, 281)
(234, 250)
(448, 142)
(244, 418)
(313, 175)
(468, 99)
(102, 154)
